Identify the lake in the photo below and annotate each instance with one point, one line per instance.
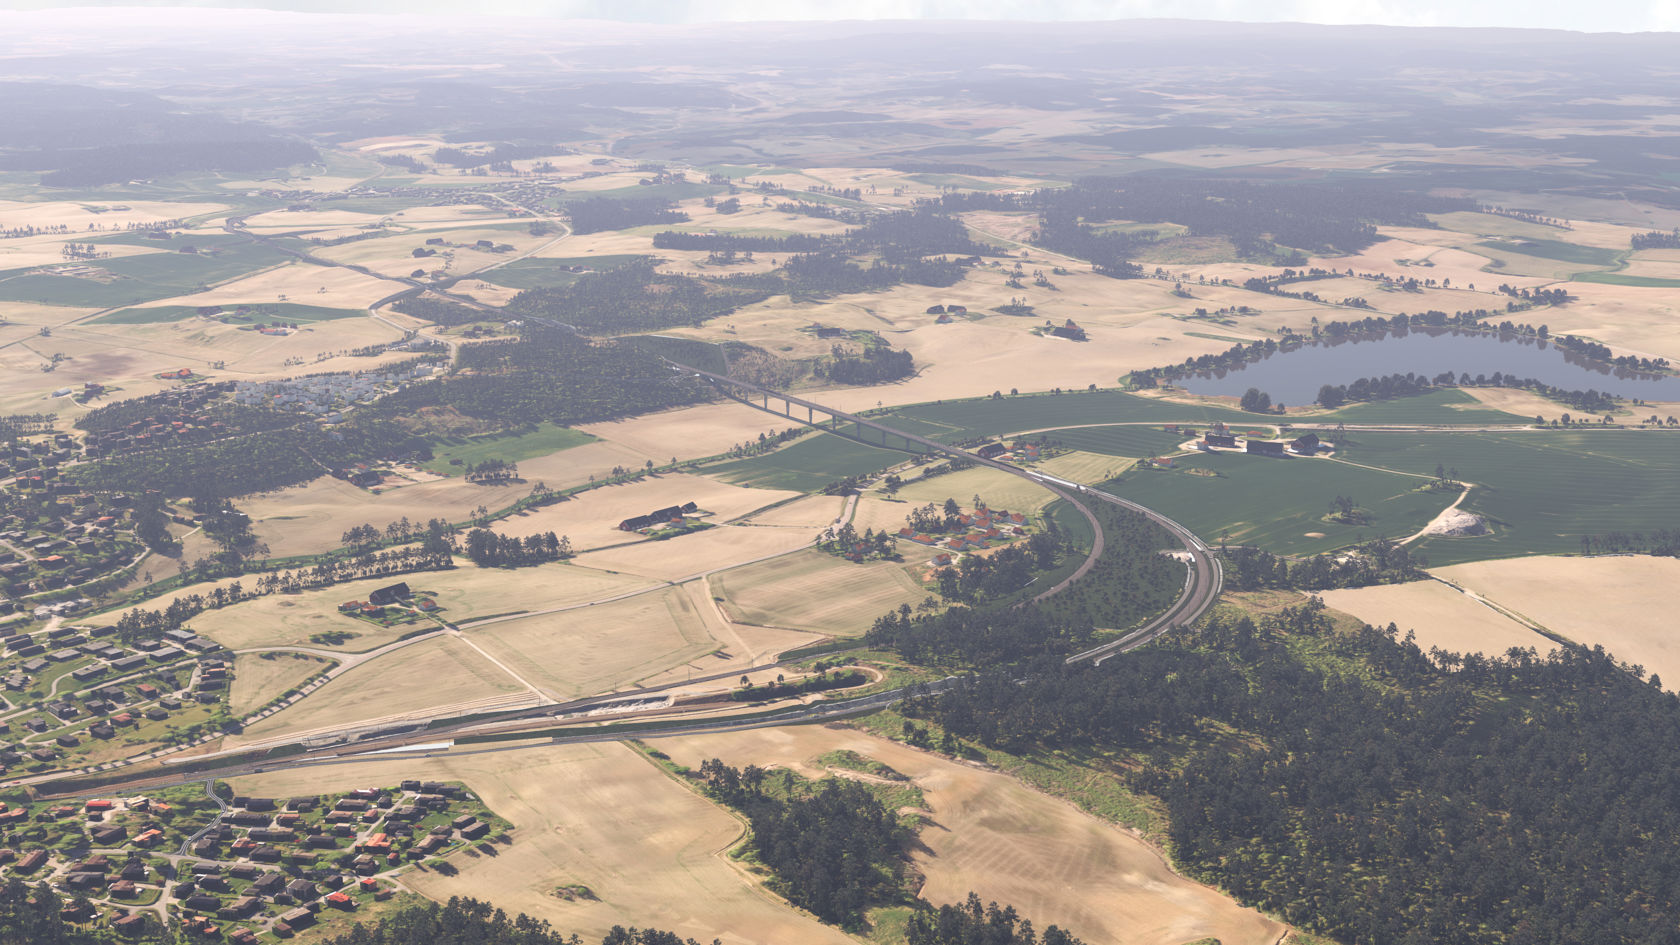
(1294, 377)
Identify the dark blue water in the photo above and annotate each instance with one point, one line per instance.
(1294, 377)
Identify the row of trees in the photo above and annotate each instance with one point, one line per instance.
(490, 550)
(1379, 561)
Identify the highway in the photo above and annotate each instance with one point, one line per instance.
(1203, 579)
(1201, 583)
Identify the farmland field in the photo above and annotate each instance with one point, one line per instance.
(591, 518)
(452, 673)
(1137, 442)
(808, 465)
(1280, 504)
(594, 649)
(260, 679)
(994, 836)
(813, 590)
(145, 277)
(1445, 407)
(541, 271)
(451, 454)
(1441, 616)
(272, 312)
(1541, 490)
(1621, 278)
(973, 418)
(1621, 603)
(650, 850)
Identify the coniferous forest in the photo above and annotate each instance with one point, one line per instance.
(1353, 785)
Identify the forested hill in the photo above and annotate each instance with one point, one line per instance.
(1325, 217)
(1354, 786)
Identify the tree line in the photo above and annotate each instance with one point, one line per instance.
(490, 550)
(1379, 561)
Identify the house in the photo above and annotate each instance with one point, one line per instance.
(389, 594)
(31, 861)
(1306, 444)
(475, 830)
(130, 924)
(1226, 440)
(1265, 448)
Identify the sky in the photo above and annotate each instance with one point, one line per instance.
(1598, 16)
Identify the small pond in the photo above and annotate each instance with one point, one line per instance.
(1293, 377)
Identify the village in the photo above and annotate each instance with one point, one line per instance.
(237, 868)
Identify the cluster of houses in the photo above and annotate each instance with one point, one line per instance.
(263, 865)
(84, 538)
(1021, 452)
(1307, 444)
(324, 395)
(986, 528)
(149, 681)
(181, 416)
(660, 518)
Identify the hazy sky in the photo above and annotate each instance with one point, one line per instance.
(1597, 16)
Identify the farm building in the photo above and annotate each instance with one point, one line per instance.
(1306, 444)
(659, 517)
(1265, 447)
(1070, 331)
(991, 450)
(389, 594)
(1220, 439)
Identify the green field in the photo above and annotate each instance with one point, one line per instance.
(144, 278)
(1136, 442)
(1542, 490)
(1275, 503)
(975, 418)
(452, 454)
(1450, 406)
(808, 465)
(1556, 249)
(534, 272)
(1640, 282)
(267, 312)
(208, 240)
